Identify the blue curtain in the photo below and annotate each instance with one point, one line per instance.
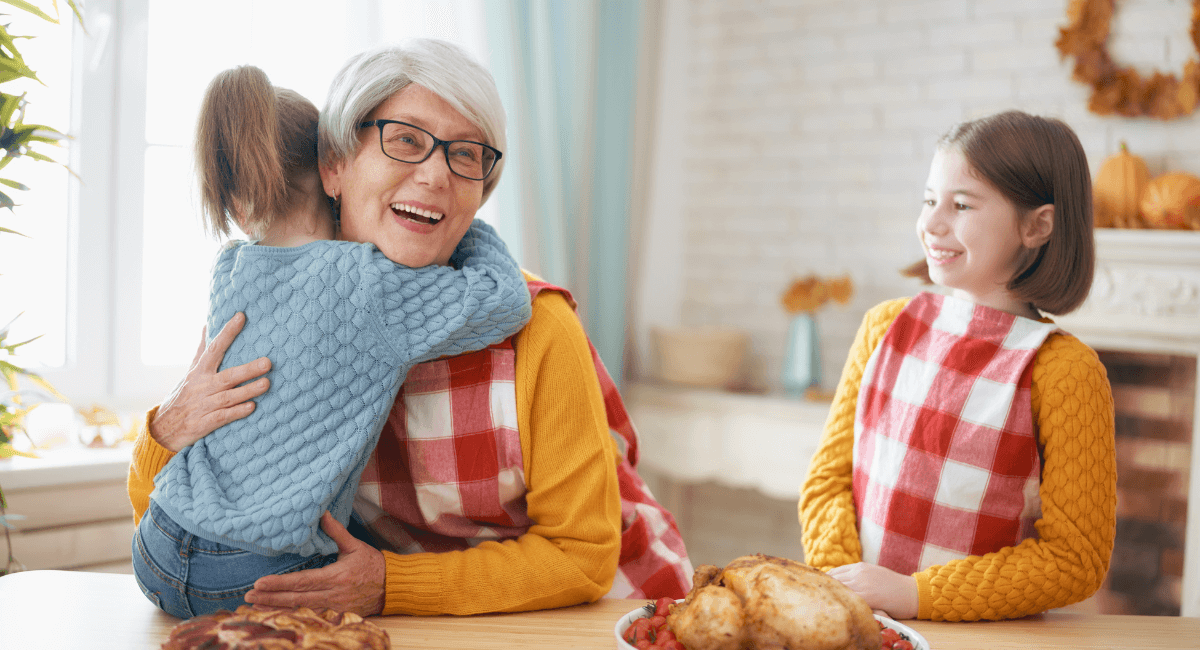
(567, 73)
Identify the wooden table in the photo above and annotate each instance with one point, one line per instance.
(51, 610)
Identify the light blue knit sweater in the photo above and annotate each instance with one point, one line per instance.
(342, 326)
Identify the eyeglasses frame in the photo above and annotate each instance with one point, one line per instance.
(437, 142)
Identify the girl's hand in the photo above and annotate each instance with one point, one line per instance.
(206, 399)
(352, 584)
(883, 589)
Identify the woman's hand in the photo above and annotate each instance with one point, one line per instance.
(883, 589)
(206, 399)
(352, 584)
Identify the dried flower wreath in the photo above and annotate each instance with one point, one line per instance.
(1118, 89)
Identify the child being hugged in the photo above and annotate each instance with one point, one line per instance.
(967, 470)
(342, 324)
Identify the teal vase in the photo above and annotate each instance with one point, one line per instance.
(802, 363)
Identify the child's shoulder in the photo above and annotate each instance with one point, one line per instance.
(886, 312)
(1066, 364)
(1062, 351)
(890, 308)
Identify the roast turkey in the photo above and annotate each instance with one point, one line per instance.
(772, 603)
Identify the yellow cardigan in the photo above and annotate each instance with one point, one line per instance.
(569, 556)
(1073, 408)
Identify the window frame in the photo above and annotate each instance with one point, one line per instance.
(108, 121)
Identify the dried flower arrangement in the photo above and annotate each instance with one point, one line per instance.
(1118, 89)
(810, 293)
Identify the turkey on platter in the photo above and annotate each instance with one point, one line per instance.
(772, 603)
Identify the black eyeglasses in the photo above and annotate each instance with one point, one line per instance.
(409, 143)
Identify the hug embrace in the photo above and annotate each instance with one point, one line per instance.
(438, 436)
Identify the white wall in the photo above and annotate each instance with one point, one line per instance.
(794, 137)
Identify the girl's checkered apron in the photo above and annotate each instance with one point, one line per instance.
(946, 460)
(448, 473)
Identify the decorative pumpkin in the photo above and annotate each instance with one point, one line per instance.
(1172, 201)
(1118, 190)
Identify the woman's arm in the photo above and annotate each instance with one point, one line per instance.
(829, 531)
(203, 402)
(569, 556)
(1072, 402)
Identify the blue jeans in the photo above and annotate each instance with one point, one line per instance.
(185, 575)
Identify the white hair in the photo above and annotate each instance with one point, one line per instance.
(444, 68)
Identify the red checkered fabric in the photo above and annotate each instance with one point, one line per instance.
(946, 460)
(448, 473)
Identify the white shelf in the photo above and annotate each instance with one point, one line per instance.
(65, 466)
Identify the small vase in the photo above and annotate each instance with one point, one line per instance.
(802, 363)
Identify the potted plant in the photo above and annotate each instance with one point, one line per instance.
(18, 139)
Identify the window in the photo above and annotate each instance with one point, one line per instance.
(120, 262)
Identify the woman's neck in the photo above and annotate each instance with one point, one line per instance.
(306, 221)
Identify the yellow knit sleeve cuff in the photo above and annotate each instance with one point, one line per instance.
(146, 450)
(924, 596)
(413, 584)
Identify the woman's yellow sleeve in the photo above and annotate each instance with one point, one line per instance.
(1073, 405)
(569, 556)
(148, 459)
(827, 517)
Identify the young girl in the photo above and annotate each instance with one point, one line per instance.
(967, 469)
(342, 324)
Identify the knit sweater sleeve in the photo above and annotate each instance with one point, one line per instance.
(1073, 405)
(569, 555)
(827, 516)
(479, 299)
(147, 460)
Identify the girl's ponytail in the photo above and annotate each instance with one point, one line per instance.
(241, 158)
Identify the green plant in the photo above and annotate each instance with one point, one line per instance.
(12, 403)
(17, 140)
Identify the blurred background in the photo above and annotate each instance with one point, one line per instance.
(676, 164)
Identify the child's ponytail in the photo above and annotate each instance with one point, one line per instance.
(252, 139)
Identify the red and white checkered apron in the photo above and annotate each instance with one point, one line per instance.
(448, 473)
(946, 460)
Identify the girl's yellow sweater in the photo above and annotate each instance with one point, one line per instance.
(569, 556)
(1073, 408)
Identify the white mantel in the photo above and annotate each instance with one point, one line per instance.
(1146, 298)
(1146, 295)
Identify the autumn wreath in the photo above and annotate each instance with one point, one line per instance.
(1119, 89)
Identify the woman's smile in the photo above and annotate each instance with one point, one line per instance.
(417, 213)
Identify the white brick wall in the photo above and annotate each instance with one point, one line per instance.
(802, 134)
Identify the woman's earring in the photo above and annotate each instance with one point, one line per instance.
(335, 206)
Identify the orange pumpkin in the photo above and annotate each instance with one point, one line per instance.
(1118, 190)
(1172, 201)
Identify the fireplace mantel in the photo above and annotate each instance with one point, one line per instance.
(1146, 298)
(1146, 295)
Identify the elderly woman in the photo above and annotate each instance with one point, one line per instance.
(504, 479)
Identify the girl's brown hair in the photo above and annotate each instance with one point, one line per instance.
(1035, 161)
(253, 140)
